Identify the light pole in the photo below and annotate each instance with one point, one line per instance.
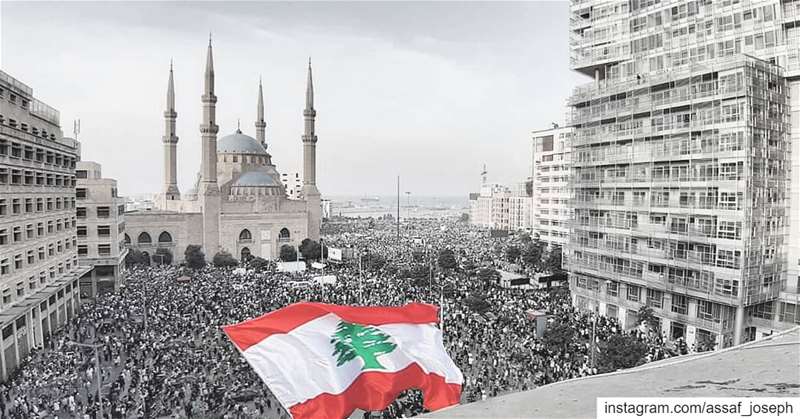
(96, 367)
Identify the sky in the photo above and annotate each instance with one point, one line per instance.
(427, 91)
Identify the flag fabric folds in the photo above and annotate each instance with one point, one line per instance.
(325, 361)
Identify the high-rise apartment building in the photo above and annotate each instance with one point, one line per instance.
(101, 230)
(38, 248)
(499, 207)
(551, 165)
(681, 164)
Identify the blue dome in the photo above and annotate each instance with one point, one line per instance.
(256, 179)
(239, 143)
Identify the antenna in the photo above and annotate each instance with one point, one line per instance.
(76, 128)
(484, 173)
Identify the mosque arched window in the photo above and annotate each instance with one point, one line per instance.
(245, 235)
(246, 256)
(144, 238)
(164, 237)
(127, 239)
(284, 234)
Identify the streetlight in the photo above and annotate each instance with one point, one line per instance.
(97, 367)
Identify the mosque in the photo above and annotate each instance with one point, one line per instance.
(238, 203)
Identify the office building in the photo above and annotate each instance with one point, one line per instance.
(101, 228)
(39, 268)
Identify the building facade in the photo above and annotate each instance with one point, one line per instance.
(39, 268)
(101, 227)
(681, 164)
(499, 207)
(238, 203)
(550, 167)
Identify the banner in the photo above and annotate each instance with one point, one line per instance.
(335, 254)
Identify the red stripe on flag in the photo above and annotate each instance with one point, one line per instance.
(250, 332)
(375, 390)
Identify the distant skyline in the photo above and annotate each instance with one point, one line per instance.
(427, 91)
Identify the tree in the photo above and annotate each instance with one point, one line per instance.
(476, 304)
(136, 257)
(558, 337)
(417, 255)
(259, 263)
(224, 259)
(525, 238)
(553, 262)
(532, 254)
(194, 256)
(372, 261)
(488, 276)
(353, 340)
(310, 249)
(652, 321)
(288, 253)
(621, 351)
(512, 253)
(464, 218)
(447, 260)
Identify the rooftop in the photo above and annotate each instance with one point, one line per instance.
(769, 367)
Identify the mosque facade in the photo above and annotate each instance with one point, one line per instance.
(238, 203)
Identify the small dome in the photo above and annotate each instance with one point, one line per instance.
(239, 143)
(257, 178)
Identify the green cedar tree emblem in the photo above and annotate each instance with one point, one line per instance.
(356, 340)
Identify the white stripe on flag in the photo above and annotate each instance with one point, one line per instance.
(300, 365)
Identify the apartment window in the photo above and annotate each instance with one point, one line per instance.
(655, 298)
(104, 249)
(18, 262)
(3, 207)
(81, 174)
(5, 266)
(680, 304)
(16, 206)
(80, 212)
(17, 234)
(28, 204)
(103, 231)
(31, 257)
(612, 311)
(39, 204)
(634, 293)
(81, 231)
(29, 231)
(612, 289)
(730, 230)
(708, 310)
(3, 236)
(80, 193)
(40, 229)
(83, 250)
(103, 212)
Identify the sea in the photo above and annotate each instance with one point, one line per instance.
(410, 206)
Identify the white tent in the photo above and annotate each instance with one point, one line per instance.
(291, 266)
(325, 279)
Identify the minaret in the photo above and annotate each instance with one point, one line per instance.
(261, 125)
(209, 190)
(310, 191)
(170, 141)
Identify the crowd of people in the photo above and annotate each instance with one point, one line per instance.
(161, 351)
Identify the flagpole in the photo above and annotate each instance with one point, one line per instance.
(398, 208)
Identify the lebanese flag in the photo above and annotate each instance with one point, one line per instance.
(325, 361)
